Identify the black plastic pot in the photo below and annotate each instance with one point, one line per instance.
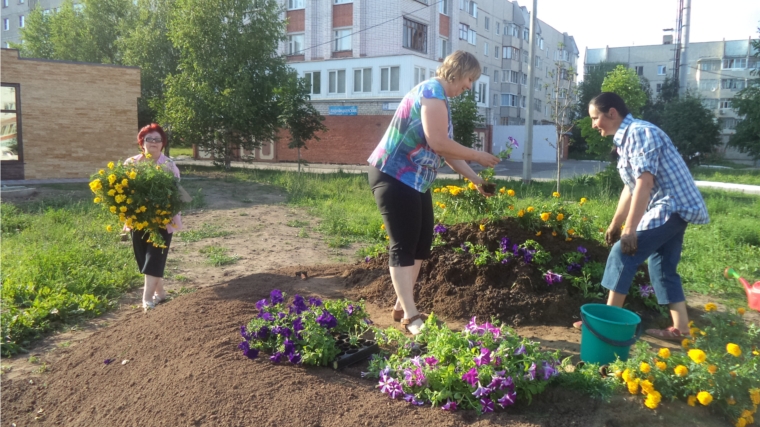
(355, 354)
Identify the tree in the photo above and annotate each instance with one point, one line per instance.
(222, 97)
(465, 118)
(747, 104)
(653, 111)
(591, 85)
(562, 103)
(691, 127)
(298, 115)
(624, 82)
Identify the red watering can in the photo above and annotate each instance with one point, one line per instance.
(753, 291)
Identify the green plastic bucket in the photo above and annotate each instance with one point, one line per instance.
(608, 332)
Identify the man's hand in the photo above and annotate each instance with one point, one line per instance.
(629, 242)
(486, 159)
(612, 235)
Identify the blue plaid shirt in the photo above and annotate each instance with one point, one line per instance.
(647, 148)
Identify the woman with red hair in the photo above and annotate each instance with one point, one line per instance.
(151, 260)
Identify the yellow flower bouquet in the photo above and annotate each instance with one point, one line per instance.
(143, 195)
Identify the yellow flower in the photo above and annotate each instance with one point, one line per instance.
(644, 367)
(746, 413)
(697, 355)
(387, 238)
(741, 422)
(148, 156)
(664, 353)
(444, 190)
(691, 400)
(111, 178)
(472, 186)
(712, 369)
(382, 227)
(502, 190)
(633, 386)
(628, 376)
(653, 399)
(109, 228)
(571, 231)
(710, 307)
(731, 401)
(511, 193)
(436, 190)
(97, 200)
(538, 234)
(646, 386)
(95, 185)
(662, 366)
(112, 192)
(110, 165)
(733, 350)
(560, 217)
(531, 209)
(554, 233)
(583, 200)
(119, 188)
(132, 175)
(129, 201)
(568, 239)
(741, 311)
(123, 209)
(681, 370)
(510, 207)
(521, 213)
(693, 331)
(443, 206)
(112, 209)
(101, 172)
(545, 216)
(685, 343)
(125, 182)
(704, 398)
(754, 394)
(482, 227)
(555, 194)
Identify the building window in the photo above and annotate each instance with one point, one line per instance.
(464, 29)
(710, 65)
(496, 52)
(6, 24)
(419, 75)
(536, 84)
(10, 137)
(472, 9)
(733, 84)
(658, 88)
(504, 77)
(541, 44)
(538, 62)
(708, 84)
(495, 76)
(481, 93)
(472, 37)
(444, 48)
(514, 77)
(415, 36)
(661, 70)
(510, 100)
(487, 23)
(524, 81)
(515, 31)
(444, 6)
(525, 56)
(639, 70)
(485, 70)
(337, 83)
(363, 80)
(495, 99)
(537, 104)
(728, 123)
(725, 103)
(389, 79)
(734, 63)
(295, 44)
(5, 3)
(295, 4)
(342, 40)
(485, 49)
(314, 82)
(497, 33)
(526, 33)
(21, 21)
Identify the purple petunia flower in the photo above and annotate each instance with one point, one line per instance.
(295, 359)
(505, 244)
(350, 309)
(260, 304)
(275, 358)
(465, 248)
(531, 375)
(297, 325)
(281, 315)
(367, 259)
(498, 382)
(487, 405)
(508, 399)
(290, 348)
(582, 250)
(481, 391)
(473, 327)
(248, 352)
(299, 306)
(262, 333)
(449, 406)
(431, 361)
(244, 333)
(552, 278)
(439, 229)
(497, 361)
(413, 399)
(327, 320)
(108, 361)
(549, 370)
(484, 358)
(471, 377)
(316, 302)
(368, 321)
(574, 267)
(266, 316)
(646, 291)
(520, 350)
(390, 386)
(275, 297)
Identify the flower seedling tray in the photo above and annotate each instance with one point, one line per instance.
(351, 354)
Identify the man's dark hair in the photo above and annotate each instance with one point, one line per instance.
(606, 100)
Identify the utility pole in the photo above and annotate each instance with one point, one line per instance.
(684, 59)
(528, 153)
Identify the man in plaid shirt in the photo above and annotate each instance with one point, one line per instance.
(658, 201)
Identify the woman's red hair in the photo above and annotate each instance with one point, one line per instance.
(153, 127)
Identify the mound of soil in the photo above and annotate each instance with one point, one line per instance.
(452, 286)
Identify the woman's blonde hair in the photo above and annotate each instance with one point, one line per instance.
(458, 65)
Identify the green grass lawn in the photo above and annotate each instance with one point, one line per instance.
(735, 176)
(181, 151)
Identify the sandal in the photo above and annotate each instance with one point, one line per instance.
(397, 315)
(578, 324)
(409, 321)
(669, 334)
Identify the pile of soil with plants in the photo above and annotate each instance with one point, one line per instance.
(452, 286)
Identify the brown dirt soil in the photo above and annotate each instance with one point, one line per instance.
(183, 367)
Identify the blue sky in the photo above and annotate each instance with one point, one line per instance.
(597, 23)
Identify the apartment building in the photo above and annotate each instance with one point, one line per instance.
(361, 57)
(14, 14)
(715, 72)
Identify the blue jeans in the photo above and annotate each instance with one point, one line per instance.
(662, 246)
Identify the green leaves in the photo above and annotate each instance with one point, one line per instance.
(465, 118)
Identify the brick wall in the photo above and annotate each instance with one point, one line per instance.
(349, 140)
(343, 15)
(296, 20)
(76, 117)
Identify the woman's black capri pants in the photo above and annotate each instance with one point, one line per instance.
(408, 218)
(150, 259)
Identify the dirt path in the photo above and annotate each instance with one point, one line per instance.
(183, 367)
